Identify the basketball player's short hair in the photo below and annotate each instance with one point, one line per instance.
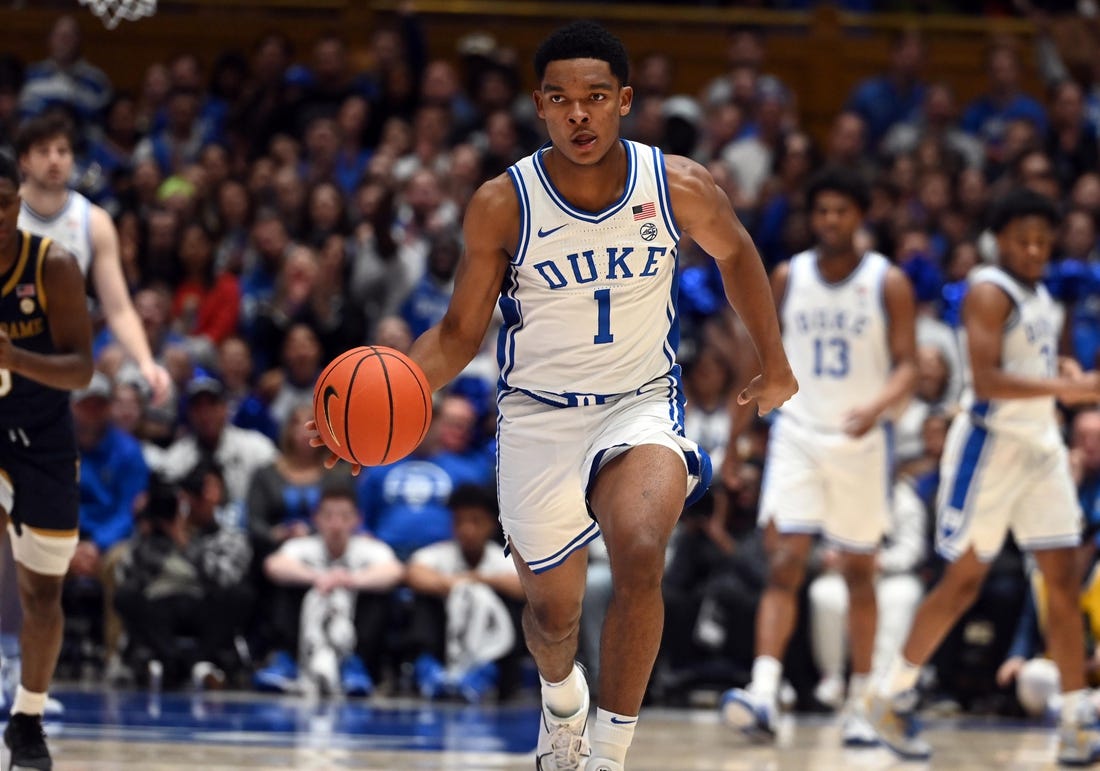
(583, 40)
(840, 179)
(1021, 203)
(42, 128)
(9, 170)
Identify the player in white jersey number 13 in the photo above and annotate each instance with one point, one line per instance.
(848, 328)
(577, 244)
(1004, 468)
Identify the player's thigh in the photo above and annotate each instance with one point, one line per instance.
(1047, 515)
(982, 475)
(541, 451)
(792, 495)
(856, 474)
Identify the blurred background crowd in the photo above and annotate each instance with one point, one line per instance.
(278, 205)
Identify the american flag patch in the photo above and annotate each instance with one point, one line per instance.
(25, 290)
(645, 211)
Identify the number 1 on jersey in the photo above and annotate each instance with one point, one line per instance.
(603, 317)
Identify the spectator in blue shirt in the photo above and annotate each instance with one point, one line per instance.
(895, 96)
(428, 300)
(405, 503)
(65, 79)
(113, 476)
(988, 116)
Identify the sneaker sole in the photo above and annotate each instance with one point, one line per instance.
(740, 715)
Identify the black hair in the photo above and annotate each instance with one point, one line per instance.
(335, 489)
(44, 127)
(9, 170)
(1021, 203)
(195, 479)
(473, 496)
(839, 179)
(583, 40)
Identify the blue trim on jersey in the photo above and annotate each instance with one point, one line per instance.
(512, 311)
(838, 284)
(848, 545)
(980, 410)
(663, 194)
(524, 215)
(968, 468)
(53, 217)
(593, 217)
(586, 536)
(891, 458)
(672, 339)
(1050, 542)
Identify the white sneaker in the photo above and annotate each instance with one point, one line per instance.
(856, 730)
(752, 715)
(563, 741)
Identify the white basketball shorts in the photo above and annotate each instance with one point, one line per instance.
(991, 483)
(548, 457)
(827, 484)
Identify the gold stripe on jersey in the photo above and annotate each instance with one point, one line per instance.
(20, 265)
(47, 533)
(39, 272)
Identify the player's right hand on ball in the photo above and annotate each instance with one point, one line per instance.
(315, 440)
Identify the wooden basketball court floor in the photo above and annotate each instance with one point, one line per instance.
(121, 731)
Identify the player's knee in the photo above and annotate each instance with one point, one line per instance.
(40, 598)
(555, 621)
(638, 567)
(859, 574)
(786, 570)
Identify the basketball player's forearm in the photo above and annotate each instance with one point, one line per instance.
(441, 356)
(898, 389)
(998, 384)
(377, 578)
(64, 371)
(748, 291)
(126, 326)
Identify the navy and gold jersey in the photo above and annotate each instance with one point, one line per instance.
(24, 402)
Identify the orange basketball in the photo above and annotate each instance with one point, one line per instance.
(372, 405)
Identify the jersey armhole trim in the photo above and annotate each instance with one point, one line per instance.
(524, 215)
(40, 273)
(664, 195)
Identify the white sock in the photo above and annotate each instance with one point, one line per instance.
(766, 672)
(611, 735)
(28, 703)
(565, 699)
(1075, 707)
(857, 686)
(900, 677)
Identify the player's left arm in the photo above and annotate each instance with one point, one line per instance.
(704, 212)
(71, 366)
(114, 296)
(901, 319)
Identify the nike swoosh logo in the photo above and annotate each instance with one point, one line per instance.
(616, 721)
(545, 233)
(330, 392)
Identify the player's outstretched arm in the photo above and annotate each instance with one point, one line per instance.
(985, 311)
(71, 366)
(490, 230)
(704, 212)
(122, 318)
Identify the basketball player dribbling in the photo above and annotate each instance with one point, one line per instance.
(45, 351)
(1005, 467)
(849, 329)
(577, 243)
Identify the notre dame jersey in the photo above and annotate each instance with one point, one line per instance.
(25, 402)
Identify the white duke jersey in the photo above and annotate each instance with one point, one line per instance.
(589, 298)
(836, 338)
(1029, 348)
(71, 227)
